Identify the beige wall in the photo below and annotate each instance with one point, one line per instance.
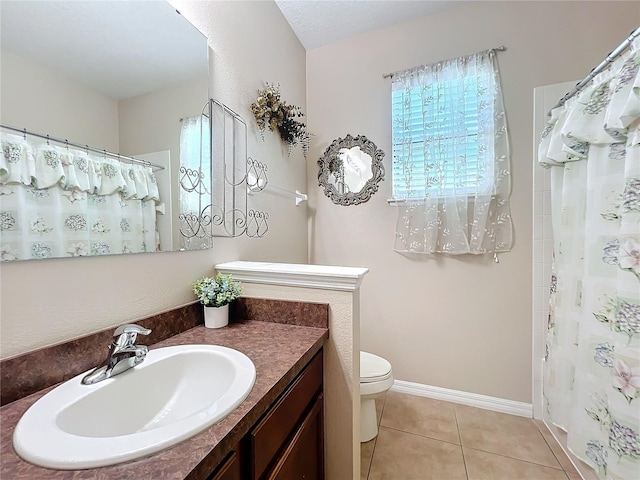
(50, 301)
(462, 323)
(44, 101)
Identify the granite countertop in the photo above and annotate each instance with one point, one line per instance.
(277, 363)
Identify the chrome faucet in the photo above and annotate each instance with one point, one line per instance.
(123, 354)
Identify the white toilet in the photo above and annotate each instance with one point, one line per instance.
(375, 379)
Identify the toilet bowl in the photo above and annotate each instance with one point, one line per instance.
(375, 379)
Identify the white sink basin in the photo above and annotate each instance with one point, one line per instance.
(173, 394)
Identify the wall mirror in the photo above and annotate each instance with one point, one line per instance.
(116, 77)
(350, 170)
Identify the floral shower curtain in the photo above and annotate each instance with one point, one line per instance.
(592, 367)
(61, 202)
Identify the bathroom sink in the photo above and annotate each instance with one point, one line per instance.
(175, 393)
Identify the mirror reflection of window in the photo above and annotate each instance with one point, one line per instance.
(195, 175)
(356, 168)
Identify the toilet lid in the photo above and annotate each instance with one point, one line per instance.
(373, 368)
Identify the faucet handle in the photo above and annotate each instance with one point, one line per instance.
(131, 328)
(125, 335)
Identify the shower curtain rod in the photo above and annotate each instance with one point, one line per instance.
(608, 60)
(501, 48)
(88, 149)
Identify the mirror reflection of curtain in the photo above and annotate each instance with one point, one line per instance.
(60, 202)
(195, 181)
(592, 361)
(451, 158)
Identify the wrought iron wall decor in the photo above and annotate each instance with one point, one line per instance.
(232, 174)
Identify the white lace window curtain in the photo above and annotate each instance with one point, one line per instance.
(61, 202)
(451, 175)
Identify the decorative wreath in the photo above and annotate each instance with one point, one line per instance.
(273, 112)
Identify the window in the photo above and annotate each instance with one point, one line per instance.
(450, 153)
(442, 130)
(436, 136)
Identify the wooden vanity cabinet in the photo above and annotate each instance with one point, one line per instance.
(287, 443)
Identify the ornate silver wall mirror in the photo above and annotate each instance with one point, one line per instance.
(350, 170)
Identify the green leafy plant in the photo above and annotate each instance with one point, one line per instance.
(275, 114)
(218, 291)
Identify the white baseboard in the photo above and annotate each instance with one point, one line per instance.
(465, 398)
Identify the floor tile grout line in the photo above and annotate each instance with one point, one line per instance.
(464, 460)
(422, 436)
(558, 467)
(514, 458)
(375, 440)
(373, 451)
(552, 451)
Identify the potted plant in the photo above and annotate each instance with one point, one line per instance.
(216, 294)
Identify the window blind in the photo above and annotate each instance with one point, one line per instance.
(439, 140)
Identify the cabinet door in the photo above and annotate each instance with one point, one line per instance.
(304, 456)
(230, 469)
(273, 433)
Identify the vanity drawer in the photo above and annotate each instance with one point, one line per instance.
(271, 434)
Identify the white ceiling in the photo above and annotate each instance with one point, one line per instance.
(321, 22)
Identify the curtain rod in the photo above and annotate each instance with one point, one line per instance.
(615, 53)
(67, 143)
(501, 48)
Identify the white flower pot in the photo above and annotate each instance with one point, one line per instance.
(216, 317)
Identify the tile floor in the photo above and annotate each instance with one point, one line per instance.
(425, 439)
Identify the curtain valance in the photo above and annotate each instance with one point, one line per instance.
(602, 114)
(43, 166)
